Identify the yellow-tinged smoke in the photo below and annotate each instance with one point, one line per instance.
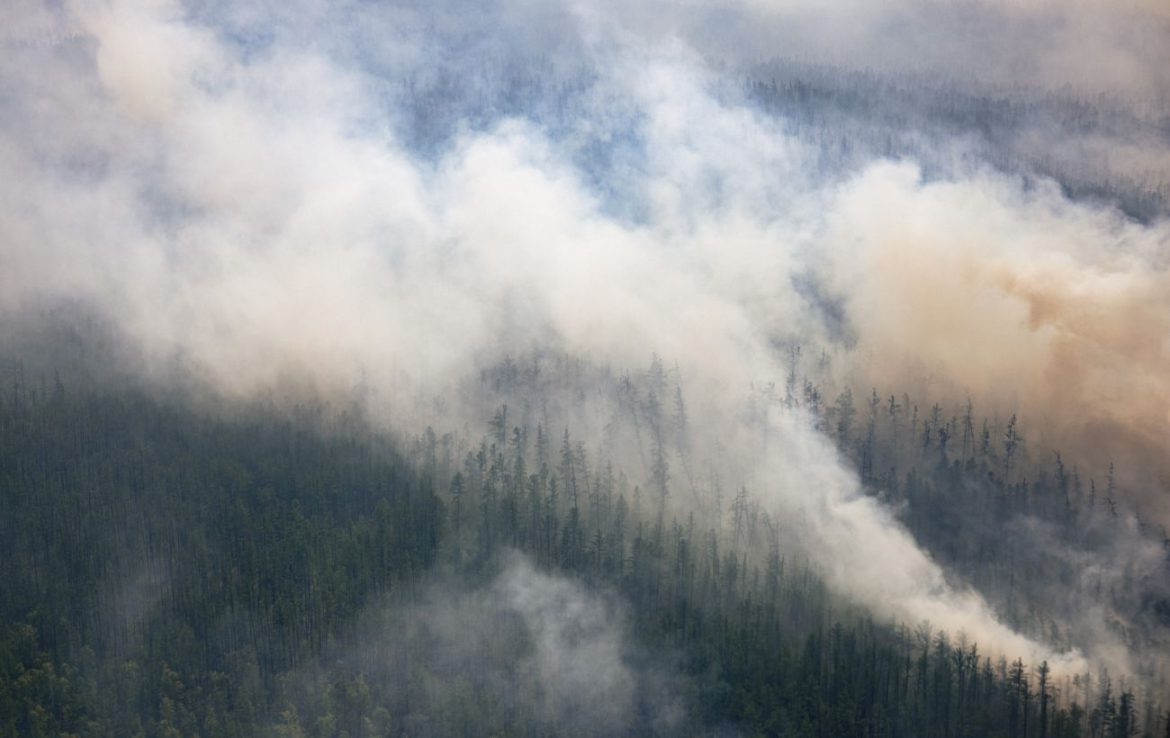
(240, 213)
(980, 289)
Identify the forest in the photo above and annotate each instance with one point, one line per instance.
(591, 368)
(293, 571)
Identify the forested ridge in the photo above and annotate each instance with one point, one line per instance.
(854, 115)
(586, 368)
(162, 568)
(176, 572)
(848, 117)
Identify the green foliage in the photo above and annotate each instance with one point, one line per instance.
(163, 568)
(170, 573)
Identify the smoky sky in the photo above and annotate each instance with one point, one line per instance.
(396, 195)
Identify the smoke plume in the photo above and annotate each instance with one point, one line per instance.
(264, 198)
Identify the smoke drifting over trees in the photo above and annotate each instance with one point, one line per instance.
(899, 271)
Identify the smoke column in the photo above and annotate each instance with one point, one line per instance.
(243, 193)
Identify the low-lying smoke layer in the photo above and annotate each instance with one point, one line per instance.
(865, 552)
(528, 652)
(247, 211)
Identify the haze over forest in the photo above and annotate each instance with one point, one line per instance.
(761, 367)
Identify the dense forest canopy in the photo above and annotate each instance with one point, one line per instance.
(460, 368)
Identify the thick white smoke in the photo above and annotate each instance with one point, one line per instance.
(245, 211)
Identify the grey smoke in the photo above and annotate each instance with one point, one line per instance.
(525, 651)
(240, 190)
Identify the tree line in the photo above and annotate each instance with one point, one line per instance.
(177, 572)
